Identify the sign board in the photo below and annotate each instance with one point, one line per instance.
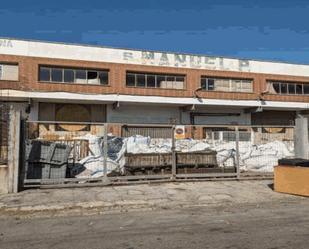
(180, 132)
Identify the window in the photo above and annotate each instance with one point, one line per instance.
(44, 74)
(155, 80)
(56, 74)
(9, 72)
(81, 76)
(284, 88)
(92, 77)
(130, 79)
(306, 88)
(68, 75)
(293, 88)
(226, 84)
(141, 80)
(103, 77)
(151, 80)
(299, 89)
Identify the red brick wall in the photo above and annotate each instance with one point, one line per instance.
(28, 80)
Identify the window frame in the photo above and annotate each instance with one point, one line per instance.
(270, 83)
(74, 69)
(232, 82)
(156, 77)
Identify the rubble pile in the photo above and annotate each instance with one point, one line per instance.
(253, 157)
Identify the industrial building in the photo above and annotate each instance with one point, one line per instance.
(60, 82)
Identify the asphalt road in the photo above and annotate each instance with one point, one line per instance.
(270, 225)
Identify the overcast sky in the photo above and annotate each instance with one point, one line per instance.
(260, 29)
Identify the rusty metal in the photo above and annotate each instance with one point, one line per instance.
(4, 132)
(153, 132)
(161, 163)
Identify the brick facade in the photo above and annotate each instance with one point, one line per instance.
(29, 66)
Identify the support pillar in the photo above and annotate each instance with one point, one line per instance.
(13, 150)
(301, 137)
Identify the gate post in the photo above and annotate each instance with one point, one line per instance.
(173, 154)
(105, 179)
(237, 152)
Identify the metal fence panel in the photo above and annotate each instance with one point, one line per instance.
(106, 153)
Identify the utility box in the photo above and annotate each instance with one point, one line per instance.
(292, 176)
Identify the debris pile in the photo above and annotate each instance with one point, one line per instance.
(253, 157)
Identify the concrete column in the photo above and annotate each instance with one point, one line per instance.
(13, 150)
(301, 137)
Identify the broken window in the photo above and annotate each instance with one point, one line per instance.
(288, 88)
(92, 77)
(276, 87)
(80, 76)
(160, 80)
(70, 75)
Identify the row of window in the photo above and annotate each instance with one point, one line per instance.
(68, 75)
(155, 80)
(144, 80)
(288, 88)
(150, 80)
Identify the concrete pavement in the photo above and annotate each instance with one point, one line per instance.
(140, 197)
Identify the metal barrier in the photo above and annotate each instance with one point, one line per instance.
(101, 153)
(4, 131)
